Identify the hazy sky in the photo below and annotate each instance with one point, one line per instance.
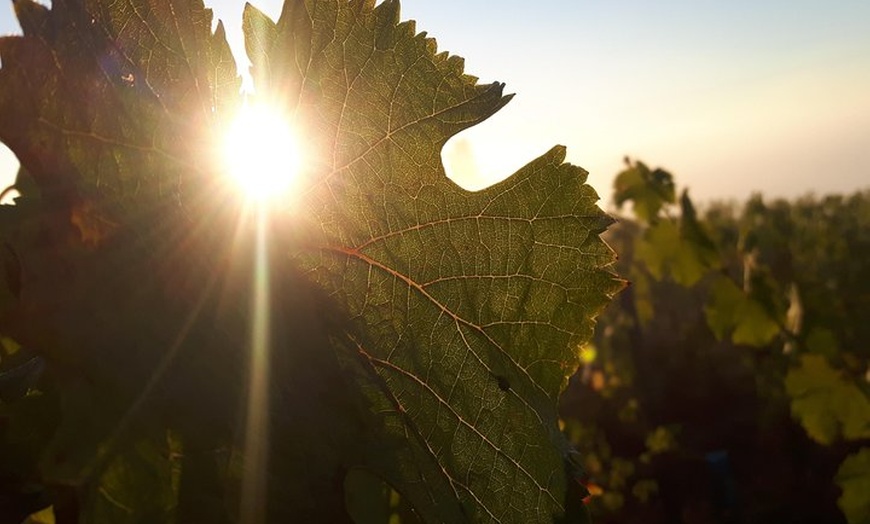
(731, 96)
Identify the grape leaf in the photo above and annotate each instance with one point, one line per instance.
(827, 404)
(649, 190)
(730, 310)
(45, 516)
(139, 484)
(853, 478)
(681, 250)
(460, 314)
(470, 306)
(114, 97)
(110, 107)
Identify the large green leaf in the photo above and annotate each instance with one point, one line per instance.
(424, 332)
(681, 250)
(470, 307)
(140, 483)
(649, 190)
(853, 478)
(114, 97)
(730, 310)
(827, 404)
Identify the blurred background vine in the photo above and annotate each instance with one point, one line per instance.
(729, 383)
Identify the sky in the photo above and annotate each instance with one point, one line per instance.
(733, 97)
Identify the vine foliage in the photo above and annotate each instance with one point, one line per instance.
(741, 342)
(421, 334)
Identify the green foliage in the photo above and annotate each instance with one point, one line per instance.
(140, 483)
(854, 479)
(730, 312)
(827, 404)
(45, 516)
(112, 99)
(680, 250)
(422, 334)
(725, 434)
(648, 190)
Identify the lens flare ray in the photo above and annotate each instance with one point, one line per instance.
(256, 447)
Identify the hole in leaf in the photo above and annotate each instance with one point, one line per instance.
(8, 166)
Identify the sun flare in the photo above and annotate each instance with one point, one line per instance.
(261, 153)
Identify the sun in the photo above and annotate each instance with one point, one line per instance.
(261, 154)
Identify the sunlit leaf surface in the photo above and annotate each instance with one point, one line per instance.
(730, 310)
(422, 333)
(853, 478)
(826, 403)
(649, 190)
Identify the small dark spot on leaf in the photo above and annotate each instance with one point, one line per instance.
(503, 383)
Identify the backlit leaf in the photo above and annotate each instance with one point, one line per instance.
(45, 516)
(114, 98)
(681, 250)
(139, 484)
(470, 307)
(423, 332)
(853, 477)
(730, 311)
(827, 405)
(649, 190)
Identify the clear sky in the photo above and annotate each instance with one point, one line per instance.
(731, 96)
